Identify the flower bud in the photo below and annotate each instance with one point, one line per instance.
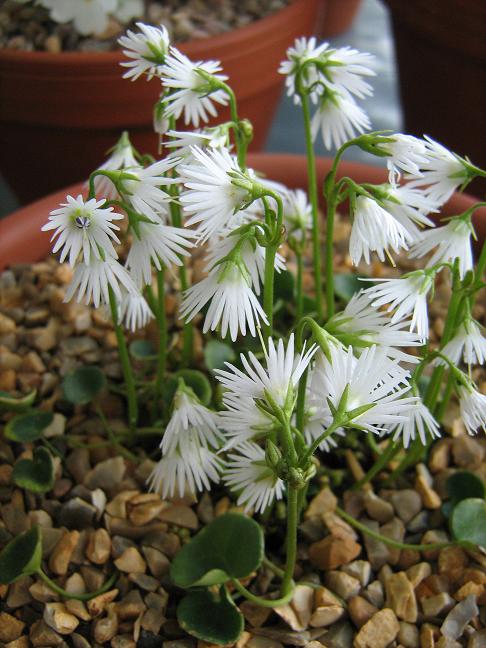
(272, 454)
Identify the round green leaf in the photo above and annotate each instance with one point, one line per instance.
(21, 557)
(468, 521)
(211, 617)
(28, 427)
(217, 353)
(83, 384)
(197, 381)
(463, 484)
(230, 547)
(12, 404)
(36, 475)
(346, 284)
(143, 350)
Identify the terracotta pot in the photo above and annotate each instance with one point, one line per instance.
(21, 240)
(60, 113)
(337, 17)
(441, 63)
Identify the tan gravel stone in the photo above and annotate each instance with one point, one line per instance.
(332, 552)
(98, 547)
(400, 597)
(418, 573)
(10, 627)
(360, 610)
(42, 635)
(408, 635)
(377, 508)
(324, 502)
(21, 642)
(452, 562)
(180, 515)
(379, 631)
(326, 616)
(98, 604)
(142, 509)
(59, 618)
(106, 628)
(434, 606)
(62, 552)
(430, 498)
(428, 635)
(344, 585)
(131, 561)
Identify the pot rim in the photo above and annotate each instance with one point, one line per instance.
(233, 38)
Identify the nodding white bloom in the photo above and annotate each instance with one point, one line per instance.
(345, 68)
(375, 230)
(279, 378)
(303, 49)
(364, 325)
(473, 409)
(158, 244)
(453, 241)
(406, 153)
(248, 474)
(183, 141)
(142, 188)
(405, 295)
(317, 416)
(410, 208)
(441, 174)
(190, 468)
(468, 342)
(370, 379)
(121, 157)
(210, 194)
(338, 118)
(243, 420)
(190, 93)
(93, 281)
(88, 16)
(297, 213)
(129, 9)
(234, 305)
(83, 226)
(146, 50)
(190, 419)
(418, 420)
(134, 311)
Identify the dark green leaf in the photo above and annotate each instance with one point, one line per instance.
(468, 521)
(143, 350)
(230, 547)
(28, 427)
(284, 286)
(463, 484)
(217, 353)
(211, 617)
(36, 475)
(83, 384)
(13, 404)
(198, 382)
(21, 557)
(346, 284)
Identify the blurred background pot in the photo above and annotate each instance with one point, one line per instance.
(21, 240)
(337, 16)
(60, 113)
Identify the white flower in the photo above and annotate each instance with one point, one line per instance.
(304, 49)
(158, 244)
(279, 378)
(94, 280)
(88, 16)
(243, 420)
(339, 118)
(317, 417)
(418, 419)
(183, 141)
(190, 93)
(83, 225)
(441, 174)
(297, 213)
(468, 342)
(190, 419)
(121, 157)
(233, 306)
(248, 474)
(189, 468)
(473, 409)
(409, 207)
(210, 195)
(129, 9)
(369, 379)
(406, 153)
(453, 241)
(375, 230)
(362, 323)
(142, 188)
(407, 295)
(146, 50)
(134, 311)
(345, 68)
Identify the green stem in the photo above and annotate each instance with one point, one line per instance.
(316, 234)
(316, 443)
(330, 215)
(291, 541)
(162, 354)
(114, 441)
(300, 282)
(269, 603)
(268, 288)
(266, 562)
(383, 460)
(78, 597)
(439, 413)
(126, 366)
(395, 543)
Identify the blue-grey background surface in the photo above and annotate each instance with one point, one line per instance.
(371, 32)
